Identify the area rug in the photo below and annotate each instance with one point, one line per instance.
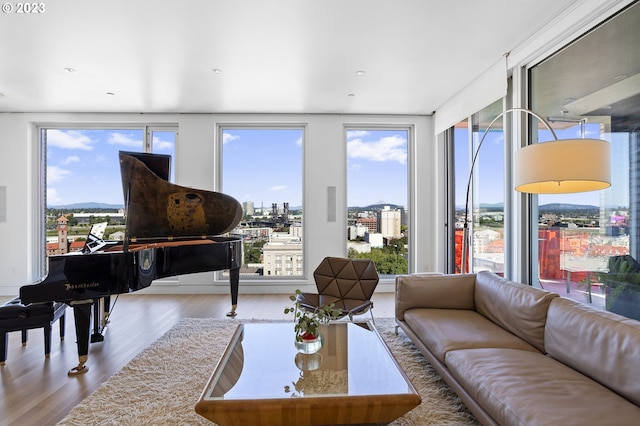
(161, 385)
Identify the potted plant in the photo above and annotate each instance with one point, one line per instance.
(622, 286)
(307, 322)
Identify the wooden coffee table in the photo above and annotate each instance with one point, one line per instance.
(262, 380)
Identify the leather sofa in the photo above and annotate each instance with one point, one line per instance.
(518, 355)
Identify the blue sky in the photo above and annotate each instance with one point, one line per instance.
(265, 166)
(491, 182)
(82, 165)
(260, 165)
(377, 167)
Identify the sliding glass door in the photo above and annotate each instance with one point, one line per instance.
(588, 244)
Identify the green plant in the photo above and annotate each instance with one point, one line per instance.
(623, 276)
(307, 322)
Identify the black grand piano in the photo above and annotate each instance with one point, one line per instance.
(170, 230)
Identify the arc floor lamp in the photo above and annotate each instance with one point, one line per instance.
(557, 167)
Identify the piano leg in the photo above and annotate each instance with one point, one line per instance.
(82, 317)
(234, 279)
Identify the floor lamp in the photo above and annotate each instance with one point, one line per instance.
(556, 167)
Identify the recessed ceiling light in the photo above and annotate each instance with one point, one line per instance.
(110, 94)
(351, 94)
(70, 70)
(216, 70)
(361, 72)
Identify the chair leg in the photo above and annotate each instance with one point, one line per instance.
(24, 337)
(47, 340)
(372, 318)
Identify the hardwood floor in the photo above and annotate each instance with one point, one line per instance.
(37, 391)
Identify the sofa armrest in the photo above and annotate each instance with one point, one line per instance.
(434, 291)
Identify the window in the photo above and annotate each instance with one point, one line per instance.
(581, 240)
(262, 169)
(377, 188)
(485, 213)
(82, 179)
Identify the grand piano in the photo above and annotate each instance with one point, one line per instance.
(170, 230)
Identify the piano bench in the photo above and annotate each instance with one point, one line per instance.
(14, 316)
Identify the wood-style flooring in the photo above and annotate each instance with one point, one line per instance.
(37, 391)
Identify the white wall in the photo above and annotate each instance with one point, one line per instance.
(197, 154)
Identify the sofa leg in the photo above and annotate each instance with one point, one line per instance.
(397, 327)
(24, 337)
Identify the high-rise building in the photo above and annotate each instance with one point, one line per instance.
(248, 208)
(389, 222)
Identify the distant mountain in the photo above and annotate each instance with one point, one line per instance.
(378, 206)
(544, 207)
(563, 206)
(90, 205)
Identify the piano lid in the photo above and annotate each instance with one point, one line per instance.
(158, 209)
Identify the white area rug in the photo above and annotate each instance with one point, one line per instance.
(161, 385)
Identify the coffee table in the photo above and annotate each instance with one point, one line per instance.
(261, 379)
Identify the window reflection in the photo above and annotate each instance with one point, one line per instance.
(589, 241)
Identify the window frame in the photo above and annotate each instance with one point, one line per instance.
(39, 265)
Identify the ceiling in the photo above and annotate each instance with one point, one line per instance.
(272, 56)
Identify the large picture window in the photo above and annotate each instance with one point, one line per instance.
(82, 179)
(262, 169)
(377, 188)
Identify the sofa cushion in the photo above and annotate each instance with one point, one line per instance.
(527, 388)
(599, 344)
(444, 330)
(434, 291)
(516, 307)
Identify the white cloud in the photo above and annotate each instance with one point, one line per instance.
(160, 145)
(124, 140)
(277, 187)
(69, 139)
(52, 196)
(228, 137)
(299, 142)
(393, 148)
(71, 159)
(351, 134)
(56, 174)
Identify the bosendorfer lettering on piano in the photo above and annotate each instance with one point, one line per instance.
(170, 230)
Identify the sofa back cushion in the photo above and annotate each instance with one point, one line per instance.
(518, 308)
(599, 344)
(434, 291)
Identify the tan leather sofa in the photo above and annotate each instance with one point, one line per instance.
(517, 355)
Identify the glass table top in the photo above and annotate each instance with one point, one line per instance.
(262, 362)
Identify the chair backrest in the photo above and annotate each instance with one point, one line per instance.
(344, 278)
